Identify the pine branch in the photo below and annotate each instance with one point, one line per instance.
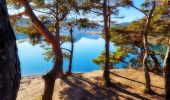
(66, 49)
(139, 9)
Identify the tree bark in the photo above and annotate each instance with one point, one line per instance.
(71, 52)
(145, 58)
(146, 48)
(106, 73)
(10, 74)
(145, 65)
(166, 71)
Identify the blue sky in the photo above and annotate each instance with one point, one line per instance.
(130, 14)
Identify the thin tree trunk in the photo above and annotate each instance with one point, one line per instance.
(166, 71)
(146, 49)
(71, 52)
(146, 55)
(145, 44)
(10, 74)
(106, 73)
(145, 65)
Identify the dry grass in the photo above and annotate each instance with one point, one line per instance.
(128, 85)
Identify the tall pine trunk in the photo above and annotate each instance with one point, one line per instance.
(145, 65)
(71, 52)
(106, 73)
(146, 55)
(146, 48)
(10, 74)
(166, 71)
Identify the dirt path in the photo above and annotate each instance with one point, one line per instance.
(128, 85)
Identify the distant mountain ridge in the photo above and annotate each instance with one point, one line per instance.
(123, 24)
(78, 34)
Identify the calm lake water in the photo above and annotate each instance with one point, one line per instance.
(87, 47)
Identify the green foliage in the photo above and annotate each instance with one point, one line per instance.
(131, 36)
(96, 7)
(126, 3)
(66, 55)
(137, 26)
(48, 55)
(65, 39)
(24, 29)
(84, 23)
(161, 23)
(115, 58)
(39, 3)
(128, 39)
(123, 36)
(13, 5)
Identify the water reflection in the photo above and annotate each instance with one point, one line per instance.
(86, 49)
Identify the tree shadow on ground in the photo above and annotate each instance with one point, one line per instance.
(133, 80)
(153, 93)
(81, 88)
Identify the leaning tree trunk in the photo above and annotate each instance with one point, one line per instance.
(9, 62)
(71, 52)
(56, 71)
(106, 73)
(166, 71)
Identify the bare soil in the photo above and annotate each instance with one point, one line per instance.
(128, 84)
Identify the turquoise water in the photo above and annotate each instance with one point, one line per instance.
(87, 47)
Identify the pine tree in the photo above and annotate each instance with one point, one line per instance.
(148, 10)
(106, 9)
(59, 9)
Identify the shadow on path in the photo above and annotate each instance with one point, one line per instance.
(133, 80)
(83, 89)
